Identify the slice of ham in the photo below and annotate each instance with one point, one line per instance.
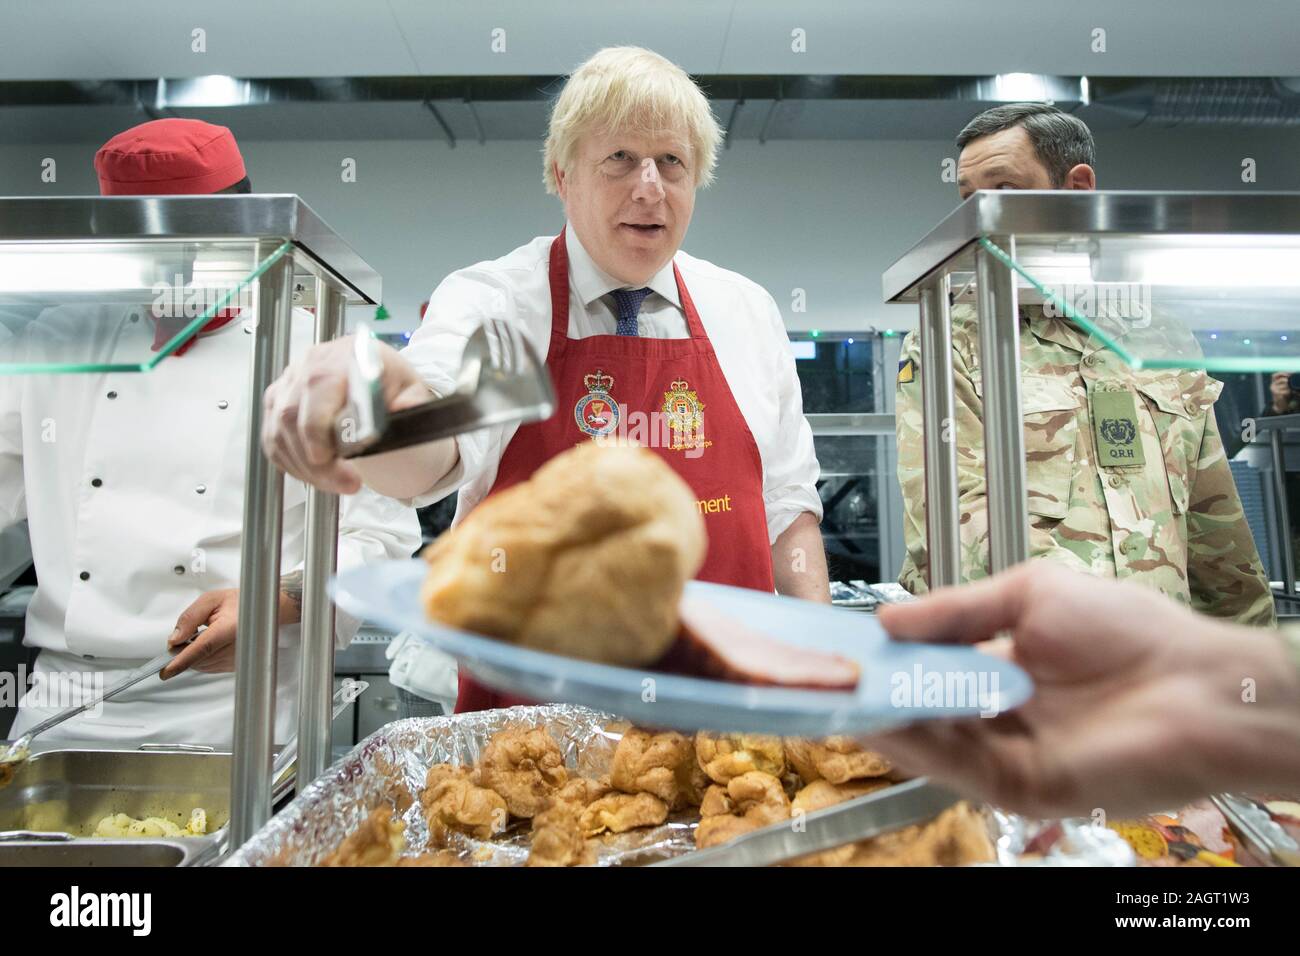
(716, 645)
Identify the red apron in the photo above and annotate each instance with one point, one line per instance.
(604, 380)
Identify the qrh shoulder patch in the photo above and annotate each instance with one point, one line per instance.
(1119, 437)
(906, 372)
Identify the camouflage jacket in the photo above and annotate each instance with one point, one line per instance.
(1174, 523)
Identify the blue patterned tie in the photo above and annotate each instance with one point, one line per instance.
(629, 305)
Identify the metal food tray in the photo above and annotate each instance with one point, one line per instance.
(391, 764)
(49, 812)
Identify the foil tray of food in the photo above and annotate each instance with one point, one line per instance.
(556, 784)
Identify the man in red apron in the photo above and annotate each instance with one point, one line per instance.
(642, 342)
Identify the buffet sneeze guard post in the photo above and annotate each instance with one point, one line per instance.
(212, 250)
(942, 515)
(1004, 443)
(255, 651)
(1004, 434)
(316, 677)
(1283, 511)
(259, 570)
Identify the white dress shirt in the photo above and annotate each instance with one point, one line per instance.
(741, 319)
(133, 488)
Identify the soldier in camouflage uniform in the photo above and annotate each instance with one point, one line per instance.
(1169, 516)
(1175, 521)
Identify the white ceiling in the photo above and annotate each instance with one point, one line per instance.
(141, 39)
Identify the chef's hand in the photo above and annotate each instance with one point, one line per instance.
(301, 406)
(213, 651)
(1279, 388)
(1138, 702)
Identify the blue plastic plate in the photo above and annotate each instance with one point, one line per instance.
(900, 683)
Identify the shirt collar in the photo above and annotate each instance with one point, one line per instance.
(1060, 330)
(591, 282)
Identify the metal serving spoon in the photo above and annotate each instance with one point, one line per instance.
(18, 752)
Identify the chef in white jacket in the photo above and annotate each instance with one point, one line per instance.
(133, 484)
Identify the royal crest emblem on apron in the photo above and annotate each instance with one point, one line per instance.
(685, 414)
(596, 412)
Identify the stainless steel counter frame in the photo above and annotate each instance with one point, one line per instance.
(1273, 426)
(922, 275)
(340, 276)
(838, 424)
(123, 218)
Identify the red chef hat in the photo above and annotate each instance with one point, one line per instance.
(169, 157)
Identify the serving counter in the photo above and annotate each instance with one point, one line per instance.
(1166, 280)
(67, 264)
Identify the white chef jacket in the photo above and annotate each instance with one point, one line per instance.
(133, 487)
(741, 319)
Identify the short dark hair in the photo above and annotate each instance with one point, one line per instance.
(1061, 141)
(243, 186)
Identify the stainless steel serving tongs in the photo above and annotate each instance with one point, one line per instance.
(501, 381)
(859, 819)
(1263, 835)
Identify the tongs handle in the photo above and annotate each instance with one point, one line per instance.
(421, 423)
(1252, 824)
(365, 417)
(287, 759)
(859, 819)
(501, 381)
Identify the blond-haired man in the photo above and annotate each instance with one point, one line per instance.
(629, 326)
